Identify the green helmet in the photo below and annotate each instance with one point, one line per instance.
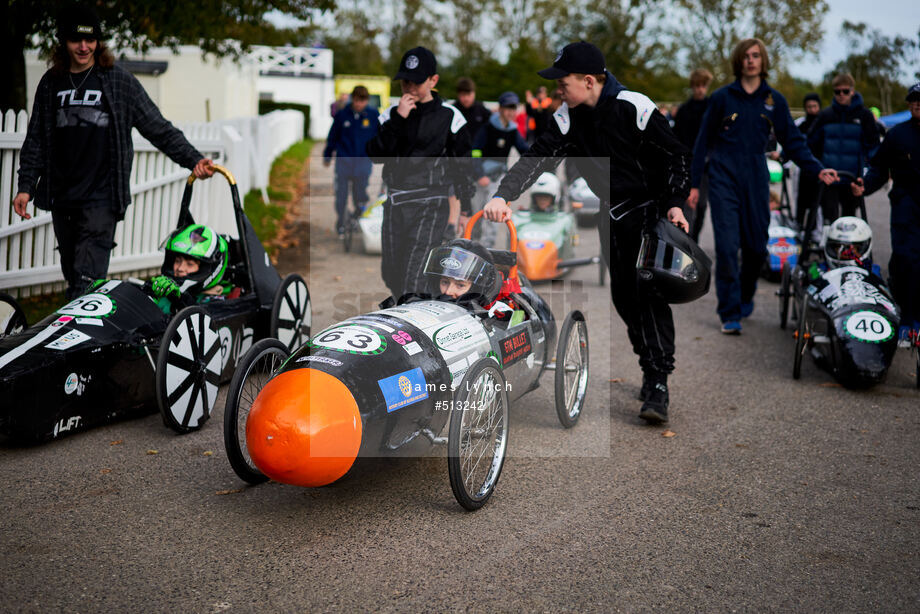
(202, 243)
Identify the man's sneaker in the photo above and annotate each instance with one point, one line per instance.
(732, 327)
(648, 382)
(904, 337)
(747, 309)
(655, 408)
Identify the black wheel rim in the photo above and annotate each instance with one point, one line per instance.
(293, 315)
(193, 365)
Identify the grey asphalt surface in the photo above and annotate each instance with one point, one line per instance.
(772, 494)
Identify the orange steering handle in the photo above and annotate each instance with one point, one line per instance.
(468, 233)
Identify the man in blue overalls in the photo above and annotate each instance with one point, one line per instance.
(730, 147)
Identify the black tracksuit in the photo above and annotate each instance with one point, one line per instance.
(687, 124)
(631, 159)
(425, 156)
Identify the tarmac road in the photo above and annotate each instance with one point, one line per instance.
(773, 494)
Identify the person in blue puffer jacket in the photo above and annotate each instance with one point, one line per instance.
(730, 148)
(844, 137)
(351, 129)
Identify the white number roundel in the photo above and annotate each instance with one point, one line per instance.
(88, 306)
(353, 339)
(869, 326)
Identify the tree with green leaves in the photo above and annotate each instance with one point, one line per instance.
(222, 27)
(707, 30)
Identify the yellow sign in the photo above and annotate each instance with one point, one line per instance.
(377, 86)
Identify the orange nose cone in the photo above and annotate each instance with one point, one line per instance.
(538, 258)
(304, 428)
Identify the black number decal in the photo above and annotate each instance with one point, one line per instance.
(362, 338)
(332, 335)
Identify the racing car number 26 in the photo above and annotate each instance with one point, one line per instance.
(352, 339)
(89, 306)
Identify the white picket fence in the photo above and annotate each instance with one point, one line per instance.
(29, 261)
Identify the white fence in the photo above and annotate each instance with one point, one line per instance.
(29, 261)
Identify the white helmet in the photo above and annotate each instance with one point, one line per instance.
(848, 239)
(548, 184)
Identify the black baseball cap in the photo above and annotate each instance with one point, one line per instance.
(417, 65)
(77, 22)
(913, 93)
(581, 57)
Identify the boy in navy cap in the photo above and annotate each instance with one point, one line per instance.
(424, 145)
(899, 157)
(631, 159)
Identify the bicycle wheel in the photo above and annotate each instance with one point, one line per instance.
(785, 288)
(801, 338)
(478, 435)
(571, 374)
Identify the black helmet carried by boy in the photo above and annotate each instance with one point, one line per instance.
(464, 260)
(673, 264)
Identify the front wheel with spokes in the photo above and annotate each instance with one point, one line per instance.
(571, 375)
(478, 436)
(255, 369)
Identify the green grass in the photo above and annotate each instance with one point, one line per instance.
(38, 306)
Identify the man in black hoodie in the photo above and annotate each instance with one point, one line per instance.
(424, 145)
(631, 159)
(808, 183)
(687, 124)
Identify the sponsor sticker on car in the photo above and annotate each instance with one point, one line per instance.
(403, 389)
(68, 340)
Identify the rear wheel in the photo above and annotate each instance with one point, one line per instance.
(255, 369)
(188, 370)
(801, 337)
(12, 318)
(571, 374)
(291, 312)
(478, 435)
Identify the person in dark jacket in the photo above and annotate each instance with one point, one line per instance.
(632, 161)
(730, 149)
(539, 111)
(843, 137)
(475, 113)
(351, 129)
(76, 158)
(808, 183)
(424, 146)
(899, 157)
(687, 123)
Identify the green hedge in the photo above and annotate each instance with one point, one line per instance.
(267, 106)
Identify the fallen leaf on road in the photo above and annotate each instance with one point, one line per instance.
(117, 442)
(829, 385)
(229, 492)
(668, 433)
(741, 445)
(697, 338)
(207, 453)
(106, 470)
(153, 451)
(338, 278)
(616, 379)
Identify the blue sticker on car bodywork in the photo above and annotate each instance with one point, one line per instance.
(403, 389)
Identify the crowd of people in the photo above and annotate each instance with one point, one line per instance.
(443, 161)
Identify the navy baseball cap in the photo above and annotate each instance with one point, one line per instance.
(581, 57)
(913, 93)
(417, 65)
(508, 99)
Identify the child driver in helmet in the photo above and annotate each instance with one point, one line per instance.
(193, 269)
(464, 271)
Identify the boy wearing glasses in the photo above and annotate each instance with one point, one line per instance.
(843, 137)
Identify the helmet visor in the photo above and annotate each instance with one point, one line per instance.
(657, 255)
(456, 263)
(847, 250)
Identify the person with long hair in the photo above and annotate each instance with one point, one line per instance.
(730, 149)
(76, 158)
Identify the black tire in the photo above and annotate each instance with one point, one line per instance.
(480, 411)
(188, 370)
(292, 313)
(12, 317)
(251, 375)
(785, 287)
(349, 233)
(572, 360)
(801, 333)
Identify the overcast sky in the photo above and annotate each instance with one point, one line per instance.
(890, 16)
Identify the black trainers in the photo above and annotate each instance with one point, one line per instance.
(647, 385)
(655, 408)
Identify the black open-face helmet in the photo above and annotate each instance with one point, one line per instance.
(673, 264)
(464, 260)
